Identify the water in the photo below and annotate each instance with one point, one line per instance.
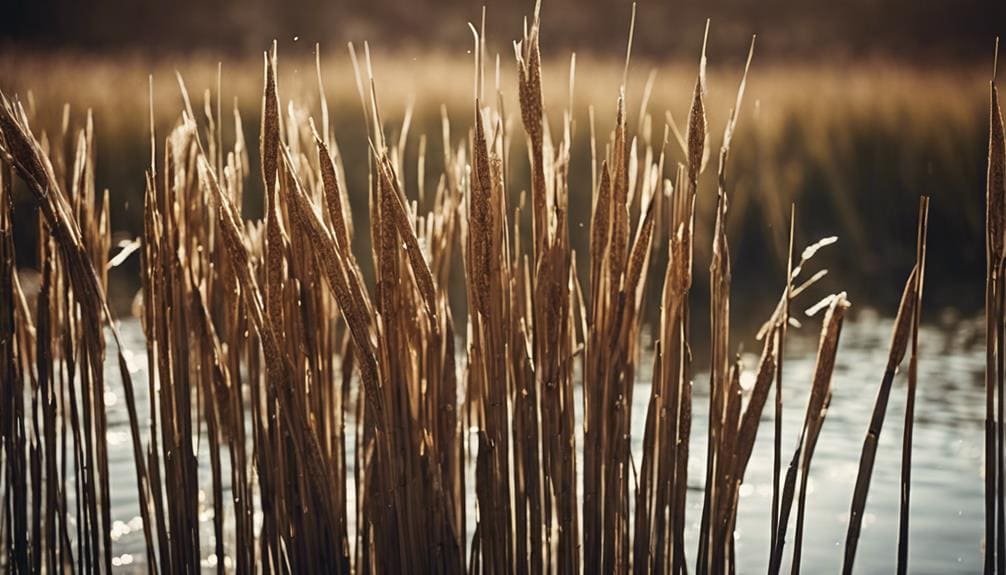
(947, 489)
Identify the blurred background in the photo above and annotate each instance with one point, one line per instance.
(944, 30)
(853, 110)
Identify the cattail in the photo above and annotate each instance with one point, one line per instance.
(333, 195)
(529, 86)
(619, 201)
(333, 264)
(640, 249)
(480, 218)
(996, 177)
(696, 135)
(532, 114)
(600, 229)
(270, 129)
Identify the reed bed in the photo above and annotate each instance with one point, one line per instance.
(266, 347)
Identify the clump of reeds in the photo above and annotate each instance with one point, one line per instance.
(74, 311)
(265, 343)
(618, 272)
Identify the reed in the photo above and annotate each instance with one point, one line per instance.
(343, 420)
(817, 408)
(995, 228)
(905, 335)
(913, 375)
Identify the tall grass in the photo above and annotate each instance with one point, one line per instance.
(266, 346)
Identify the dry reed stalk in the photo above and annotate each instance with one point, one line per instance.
(651, 547)
(899, 344)
(817, 407)
(995, 230)
(905, 326)
(913, 370)
(779, 333)
(748, 428)
(13, 430)
(719, 271)
(56, 551)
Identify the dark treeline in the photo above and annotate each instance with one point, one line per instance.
(932, 29)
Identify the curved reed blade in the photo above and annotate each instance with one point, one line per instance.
(913, 374)
(899, 344)
(817, 408)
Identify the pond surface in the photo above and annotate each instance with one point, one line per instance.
(947, 488)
